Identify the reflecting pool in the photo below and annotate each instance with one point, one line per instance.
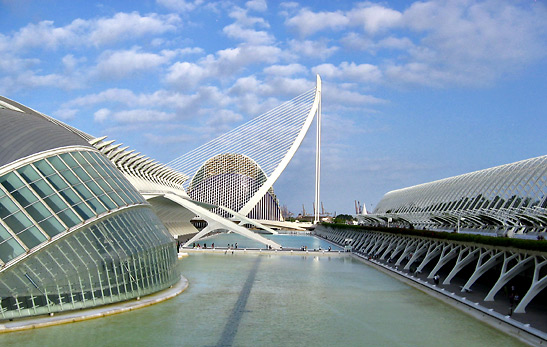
(279, 300)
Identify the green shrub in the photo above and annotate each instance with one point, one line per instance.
(531, 245)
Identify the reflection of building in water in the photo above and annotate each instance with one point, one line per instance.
(74, 232)
(511, 198)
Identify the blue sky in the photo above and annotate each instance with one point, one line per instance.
(412, 91)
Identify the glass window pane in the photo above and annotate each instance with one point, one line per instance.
(70, 197)
(38, 212)
(107, 202)
(57, 182)
(29, 174)
(52, 226)
(96, 205)
(7, 207)
(55, 203)
(11, 182)
(69, 218)
(42, 188)
(24, 196)
(44, 168)
(4, 235)
(57, 163)
(32, 237)
(83, 191)
(69, 160)
(71, 178)
(18, 222)
(81, 174)
(83, 211)
(10, 249)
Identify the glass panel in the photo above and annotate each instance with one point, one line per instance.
(70, 197)
(32, 237)
(24, 196)
(96, 205)
(57, 182)
(11, 182)
(69, 160)
(71, 178)
(44, 168)
(83, 211)
(4, 235)
(29, 174)
(10, 249)
(57, 163)
(55, 203)
(81, 174)
(42, 188)
(107, 202)
(18, 222)
(83, 191)
(7, 207)
(52, 226)
(69, 218)
(38, 212)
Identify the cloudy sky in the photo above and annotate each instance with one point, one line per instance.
(412, 91)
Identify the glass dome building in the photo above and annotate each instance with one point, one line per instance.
(74, 232)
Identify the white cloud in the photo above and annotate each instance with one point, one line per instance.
(186, 75)
(235, 31)
(101, 115)
(130, 26)
(307, 22)
(350, 71)
(309, 48)
(98, 32)
(117, 64)
(141, 116)
(374, 18)
(65, 113)
(285, 70)
(257, 5)
(180, 5)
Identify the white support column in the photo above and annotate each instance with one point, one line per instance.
(465, 257)
(445, 258)
(433, 250)
(410, 247)
(318, 158)
(389, 248)
(537, 285)
(420, 249)
(483, 266)
(507, 274)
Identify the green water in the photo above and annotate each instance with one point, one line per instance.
(274, 300)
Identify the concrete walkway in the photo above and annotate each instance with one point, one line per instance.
(92, 313)
(224, 250)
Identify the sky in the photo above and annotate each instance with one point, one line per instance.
(412, 91)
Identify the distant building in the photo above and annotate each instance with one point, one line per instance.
(506, 199)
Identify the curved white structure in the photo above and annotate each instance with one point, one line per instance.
(270, 140)
(510, 198)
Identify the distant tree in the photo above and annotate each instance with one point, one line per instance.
(343, 218)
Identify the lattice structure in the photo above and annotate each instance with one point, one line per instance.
(511, 197)
(259, 150)
(231, 180)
